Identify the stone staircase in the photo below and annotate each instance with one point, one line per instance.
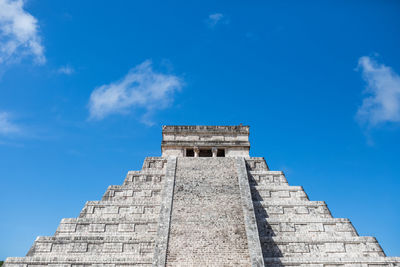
(119, 230)
(207, 221)
(295, 231)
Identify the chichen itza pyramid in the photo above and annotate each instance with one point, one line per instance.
(205, 202)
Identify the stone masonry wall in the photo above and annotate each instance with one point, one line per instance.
(119, 230)
(219, 211)
(295, 231)
(207, 222)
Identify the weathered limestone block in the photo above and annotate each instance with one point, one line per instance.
(154, 163)
(112, 247)
(265, 177)
(264, 192)
(257, 164)
(66, 228)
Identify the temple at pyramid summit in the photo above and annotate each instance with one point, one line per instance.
(205, 202)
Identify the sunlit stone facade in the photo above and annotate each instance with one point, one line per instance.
(205, 202)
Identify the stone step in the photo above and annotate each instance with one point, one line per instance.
(267, 178)
(306, 238)
(282, 208)
(326, 234)
(203, 260)
(207, 221)
(266, 172)
(267, 192)
(298, 219)
(130, 193)
(104, 226)
(145, 178)
(313, 226)
(112, 261)
(256, 163)
(120, 207)
(121, 197)
(45, 245)
(157, 163)
(332, 261)
(111, 239)
(125, 216)
(145, 172)
(125, 219)
(277, 187)
(289, 202)
(138, 202)
(73, 261)
(109, 233)
(133, 187)
(306, 246)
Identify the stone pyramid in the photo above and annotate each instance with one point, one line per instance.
(205, 202)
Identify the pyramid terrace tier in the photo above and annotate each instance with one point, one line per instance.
(110, 261)
(264, 177)
(133, 192)
(267, 192)
(316, 246)
(322, 227)
(283, 208)
(107, 209)
(92, 245)
(332, 262)
(83, 261)
(255, 164)
(154, 163)
(145, 178)
(107, 227)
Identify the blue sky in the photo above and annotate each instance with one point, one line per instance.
(86, 85)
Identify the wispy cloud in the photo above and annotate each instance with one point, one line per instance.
(68, 70)
(382, 101)
(7, 127)
(216, 18)
(142, 88)
(18, 33)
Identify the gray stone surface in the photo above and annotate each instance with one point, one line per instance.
(160, 252)
(295, 231)
(253, 239)
(119, 230)
(216, 211)
(207, 222)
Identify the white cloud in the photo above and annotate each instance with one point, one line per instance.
(140, 88)
(382, 101)
(68, 70)
(18, 33)
(6, 126)
(215, 18)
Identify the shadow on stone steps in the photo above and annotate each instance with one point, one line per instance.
(269, 249)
